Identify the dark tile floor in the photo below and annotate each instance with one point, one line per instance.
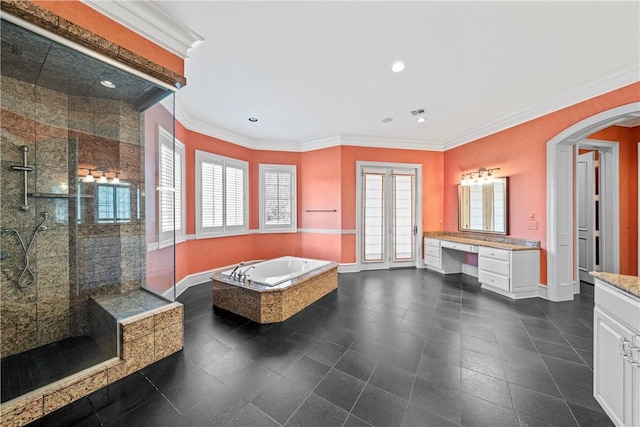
(27, 371)
(388, 348)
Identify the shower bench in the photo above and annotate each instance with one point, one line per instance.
(139, 328)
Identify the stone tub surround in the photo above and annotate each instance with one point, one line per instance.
(40, 17)
(629, 284)
(498, 242)
(270, 304)
(149, 329)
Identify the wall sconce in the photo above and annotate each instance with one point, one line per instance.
(479, 177)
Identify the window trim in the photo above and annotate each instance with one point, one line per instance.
(166, 238)
(224, 230)
(279, 228)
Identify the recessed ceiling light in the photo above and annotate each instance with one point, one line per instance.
(421, 119)
(387, 120)
(397, 67)
(107, 83)
(253, 119)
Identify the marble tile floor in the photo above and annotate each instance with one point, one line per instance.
(388, 348)
(27, 371)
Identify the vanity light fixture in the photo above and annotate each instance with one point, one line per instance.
(479, 177)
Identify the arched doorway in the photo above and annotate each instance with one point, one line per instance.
(560, 205)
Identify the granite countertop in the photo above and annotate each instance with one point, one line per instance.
(630, 284)
(488, 241)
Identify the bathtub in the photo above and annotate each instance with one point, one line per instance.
(279, 271)
(274, 290)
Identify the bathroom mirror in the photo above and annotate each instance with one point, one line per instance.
(483, 207)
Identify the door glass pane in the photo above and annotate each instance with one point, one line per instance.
(403, 217)
(373, 217)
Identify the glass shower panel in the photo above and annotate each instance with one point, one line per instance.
(72, 204)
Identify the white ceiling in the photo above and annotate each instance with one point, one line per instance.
(314, 70)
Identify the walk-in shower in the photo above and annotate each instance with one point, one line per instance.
(65, 238)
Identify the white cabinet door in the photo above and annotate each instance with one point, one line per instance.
(612, 382)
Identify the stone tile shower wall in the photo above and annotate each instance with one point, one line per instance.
(39, 314)
(76, 257)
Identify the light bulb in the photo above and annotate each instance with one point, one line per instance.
(115, 180)
(89, 177)
(102, 179)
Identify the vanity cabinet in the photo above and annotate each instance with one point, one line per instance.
(616, 368)
(515, 274)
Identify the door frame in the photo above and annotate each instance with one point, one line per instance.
(418, 201)
(609, 172)
(560, 213)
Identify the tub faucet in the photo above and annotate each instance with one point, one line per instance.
(233, 274)
(242, 276)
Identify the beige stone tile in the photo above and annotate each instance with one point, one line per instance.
(168, 341)
(134, 329)
(21, 411)
(139, 352)
(71, 392)
(169, 316)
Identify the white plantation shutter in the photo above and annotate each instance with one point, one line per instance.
(278, 197)
(170, 187)
(234, 195)
(222, 189)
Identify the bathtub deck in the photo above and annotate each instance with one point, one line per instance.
(267, 305)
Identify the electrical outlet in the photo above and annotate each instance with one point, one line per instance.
(533, 225)
(531, 216)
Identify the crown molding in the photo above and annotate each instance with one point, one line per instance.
(150, 22)
(401, 144)
(620, 77)
(319, 144)
(210, 129)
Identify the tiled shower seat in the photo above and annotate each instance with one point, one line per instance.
(139, 326)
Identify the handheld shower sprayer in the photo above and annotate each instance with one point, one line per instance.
(28, 277)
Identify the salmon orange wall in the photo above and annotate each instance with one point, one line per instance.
(520, 152)
(628, 163)
(86, 17)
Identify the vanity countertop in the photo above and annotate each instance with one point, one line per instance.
(497, 242)
(630, 284)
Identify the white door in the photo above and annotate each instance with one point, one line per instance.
(388, 218)
(587, 206)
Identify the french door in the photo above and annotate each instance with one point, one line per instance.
(387, 217)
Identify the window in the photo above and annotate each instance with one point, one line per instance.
(170, 188)
(278, 198)
(114, 203)
(222, 195)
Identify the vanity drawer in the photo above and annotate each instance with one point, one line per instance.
(492, 279)
(492, 265)
(432, 262)
(432, 251)
(431, 242)
(459, 246)
(500, 254)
